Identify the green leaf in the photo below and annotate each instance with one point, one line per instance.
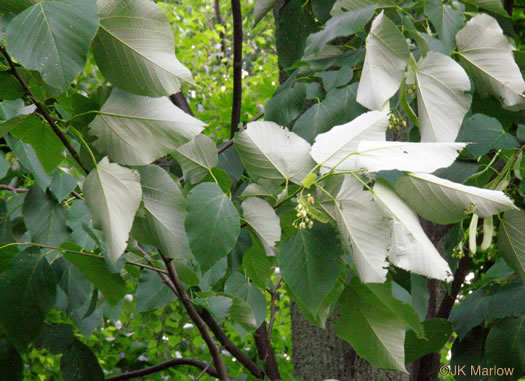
(490, 5)
(11, 365)
(336, 78)
(441, 97)
(273, 153)
(511, 240)
(437, 333)
(296, 21)
(239, 286)
(45, 219)
(27, 157)
(113, 196)
(505, 345)
(286, 105)
(341, 6)
(259, 268)
(152, 293)
(309, 264)
(80, 364)
(342, 25)
(338, 107)
(10, 88)
(485, 134)
(62, 185)
(445, 202)
(469, 351)
(27, 293)
(446, 20)
(410, 248)
(262, 7)
(322, 9)
(56, 338)
(374, 323)
(487, 56)
(53, 37)
(364, 230)
(165, 209)
(4, 167)
(210, 214)
(197, 157)
(95, 270)
(15, 6)
(48, 147)
(385, 62)
(137, 130)
(261, 217)
(151, 66)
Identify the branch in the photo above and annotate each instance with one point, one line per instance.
(218, 20)
(229, 142)
(230, 346)
(265, 351)
(168, 364)
(13, 189)
(272, 307)
(42, 110)
(179, 100)
(194, 315)
(237, 66)
(459, 277)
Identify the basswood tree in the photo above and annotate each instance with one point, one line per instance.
(117, 190)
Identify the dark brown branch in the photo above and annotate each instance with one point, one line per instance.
(13, 189)
(197, 319)
(168, 364)
(220, 21)
(447, 303)
(265, 352)
(230, 346)
(237, 67)
(229, 142)
(179, 100)
(508, 5)
(272, 308)
(43, 110)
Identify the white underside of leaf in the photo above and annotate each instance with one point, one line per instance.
(273, 153)
(197, 157)
(137, 130)
(489, 60)
(262, 219)
(364, 228)
(113, 195)
(441, 98)
(411, 249)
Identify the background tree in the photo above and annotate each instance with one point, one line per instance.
(114, 203)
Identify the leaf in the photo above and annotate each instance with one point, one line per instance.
(411, 249)
(210, 214)
(197, 158)
(264, 222)
(62, 185)
(135, 130)
(364, 229)
(152, 293)
(259, 268)
(11, 364)
(385, 61)
(262, 7)
(239, 286)
(80, 364)
(487, 57)
(342, 25)
(48, 147)
(485, 134)
(56, 338)
(165, 210)
(15, 6)
(360, 145)
(441, 98)
(95, 270)
(113, 196)
(511, 240)
(351, 5)
(437, 333)
(445, 202)
(27, 157)
(338, 107)
(10, 88)
(285, 105)
(295, 23)
(490, 5)
(53, 37)
(270, 152)
(374, 323)
(309, 264)
(322, 9)
(27, 293)
(446, 20)
(507, 350)
(151, 66)
(44, 218)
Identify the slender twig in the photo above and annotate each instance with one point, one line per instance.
(163, 275)
(272, 307)
(229, 142)
(13, 189)
(204, 371)
(237, 67)
(42, 109)
(197, 319)
(219, 21)
(77, 195)
(165, 365)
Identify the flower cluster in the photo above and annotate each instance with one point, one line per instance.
(303, 220)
